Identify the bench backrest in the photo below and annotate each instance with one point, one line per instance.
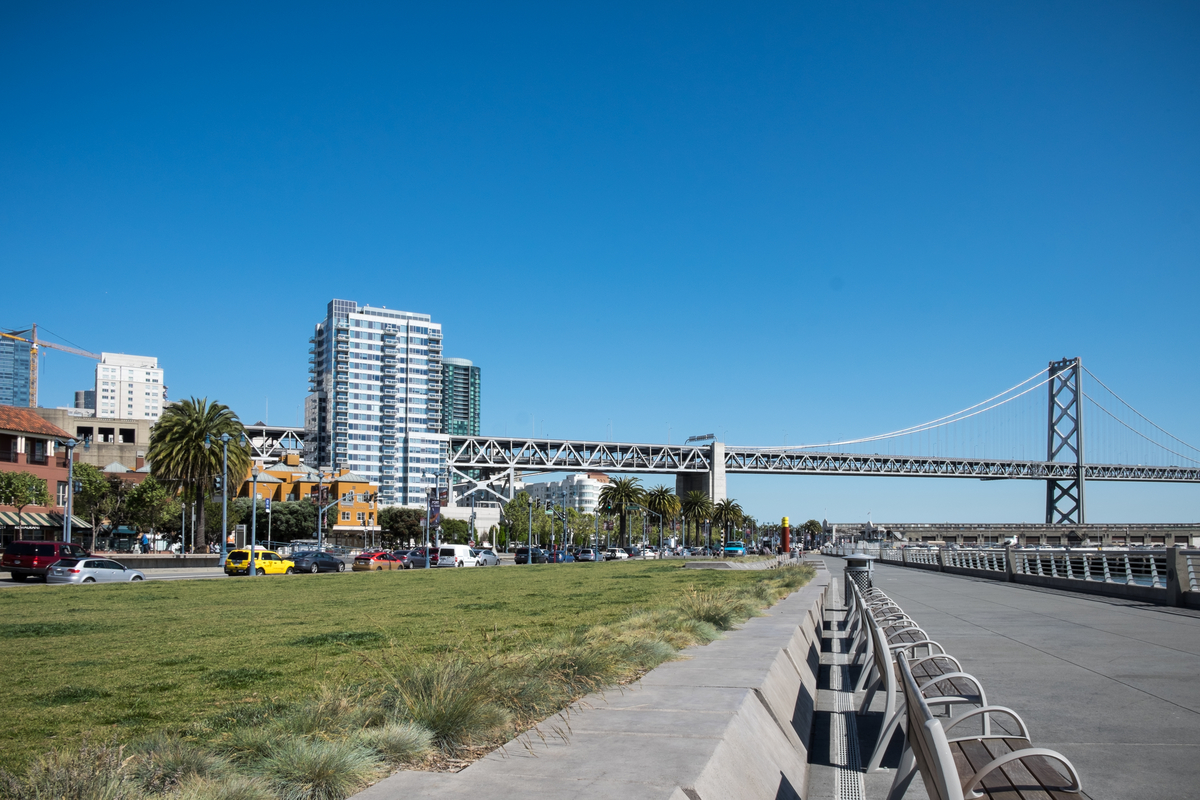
(928, 740)
(882, 655)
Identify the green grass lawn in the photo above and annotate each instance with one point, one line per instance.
(125, 661)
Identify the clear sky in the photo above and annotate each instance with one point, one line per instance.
(800, 220)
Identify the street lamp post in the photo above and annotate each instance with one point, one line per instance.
(320, 513)
(225, 437)
(67, 506)
(529, 555)
(253, 518)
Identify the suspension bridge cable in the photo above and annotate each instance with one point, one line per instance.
(1139, 433)
(927, 426)
(1140, 414)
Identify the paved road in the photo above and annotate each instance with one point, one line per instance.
(1112, 684)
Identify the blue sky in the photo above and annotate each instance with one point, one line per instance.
(811, 220)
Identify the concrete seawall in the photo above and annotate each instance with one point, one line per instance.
(731, 721)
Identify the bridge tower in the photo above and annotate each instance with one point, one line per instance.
(1064, 498)
(711, 483)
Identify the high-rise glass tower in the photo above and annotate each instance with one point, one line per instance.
(375, 402)
(460, 403)
(15, 360)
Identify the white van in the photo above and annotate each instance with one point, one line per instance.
(456, 555)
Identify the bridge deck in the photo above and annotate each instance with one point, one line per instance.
(1112, 684)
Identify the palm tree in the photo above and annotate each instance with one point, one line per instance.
(180, 461)
(696, 505)
(662, 501)
(620, 493)
(727, 514)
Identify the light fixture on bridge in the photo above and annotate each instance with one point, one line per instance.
(706, 437)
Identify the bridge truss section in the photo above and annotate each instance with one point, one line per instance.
(494, 455)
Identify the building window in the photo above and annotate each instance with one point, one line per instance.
(362, 517)
(345, 516)
(62, 494)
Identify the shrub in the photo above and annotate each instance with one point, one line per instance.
(164, 762)
(721, 609)
(91, 772)
(334, 711)
(247, 745)
(230, 787)
(398, 742)
(315, 769)
(450, 698)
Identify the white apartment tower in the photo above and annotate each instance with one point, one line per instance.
(375, 405)
(129, 387)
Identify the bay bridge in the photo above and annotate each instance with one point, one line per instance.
(991, 440)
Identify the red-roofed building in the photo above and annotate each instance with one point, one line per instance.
(27, 444)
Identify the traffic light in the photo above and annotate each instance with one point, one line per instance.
(217, 483)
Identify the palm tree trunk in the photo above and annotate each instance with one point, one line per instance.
(199, 540)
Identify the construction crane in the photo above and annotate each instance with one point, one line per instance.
(34, 344)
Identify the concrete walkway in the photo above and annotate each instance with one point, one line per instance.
(1112, 684)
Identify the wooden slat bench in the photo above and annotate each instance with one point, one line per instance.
(942, 680)
(997, 766)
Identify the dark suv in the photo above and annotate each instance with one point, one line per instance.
(523, 556)
(24, 559)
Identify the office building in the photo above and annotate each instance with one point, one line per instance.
(582, 491)
(14, 372)
(375, 402)
(460, 401)
(129, 387)
(85, 400)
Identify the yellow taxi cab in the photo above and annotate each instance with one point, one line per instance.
(266, 562)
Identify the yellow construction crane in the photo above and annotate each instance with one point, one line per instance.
(34, 345)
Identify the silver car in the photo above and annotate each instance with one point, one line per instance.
(91, 570)
(486, 558)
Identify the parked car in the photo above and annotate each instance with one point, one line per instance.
(486, 558)
(405, 559)
(586, 554)
(526, 556)
(615, 554)
(32, 559)
(376, 562)
(455, 555)
(735, 549)
(91, 570)
(315, 561)
(559, 557)
(416, 558)
(266, 562)
(632, 552)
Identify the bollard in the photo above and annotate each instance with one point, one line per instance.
(1177, 576)
(1010, 571)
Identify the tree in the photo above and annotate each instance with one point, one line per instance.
(696, 506)
(727, 513)
(115, 505)
(147, 504)
(516, 517)
(89, 500)
(662, 501)
(401, 523)
(455, 530)
(618, 495)
(180, 461)
(812, 528)
(20, 489)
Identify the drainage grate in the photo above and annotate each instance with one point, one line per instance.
(843, 738)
